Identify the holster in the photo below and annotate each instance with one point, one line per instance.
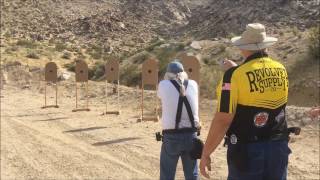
(197, 147)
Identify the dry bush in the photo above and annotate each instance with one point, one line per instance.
(27, 43)
(66, 55)
(314, 38)
(32, 55)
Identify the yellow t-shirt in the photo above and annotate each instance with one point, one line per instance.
(256, 92)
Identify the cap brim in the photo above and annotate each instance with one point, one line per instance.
(267, 42)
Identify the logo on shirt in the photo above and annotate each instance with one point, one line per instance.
(267, 79)
(261, 119)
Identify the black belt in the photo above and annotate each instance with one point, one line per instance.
(277, 137)
(273, 137)
(181, 130)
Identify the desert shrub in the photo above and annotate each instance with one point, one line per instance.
(66, 55)
(97, 71)
(32, 55)
(60, 46)
(11, 49)
(140, 57)
(153, 45)
(222, 47)
(165, 56)
(27, 43)
(74, 48)
(80, 56)
(210, 77)
(295, 31)
(70, 66)
(180, 46)
(95, 51)
(230, 35)
(130, 75)
(314, 38)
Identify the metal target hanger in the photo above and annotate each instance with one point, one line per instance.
(150, 71)
(82, 77)
(50, 77)
(112, 75)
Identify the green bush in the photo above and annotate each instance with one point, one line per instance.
(97, 71)
(27, 43)
(140, 57)
(70, 66)
(130, 75)
(314, 37)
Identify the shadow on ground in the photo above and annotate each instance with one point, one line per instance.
(85, 129)
(114, 141)
(52, 119)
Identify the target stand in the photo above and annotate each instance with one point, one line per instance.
(82, 77)
(149, 77)
(50, 78)
(192, 66)
(112, 75)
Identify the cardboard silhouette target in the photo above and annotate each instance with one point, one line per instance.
(50, 77)
(51, 72)
(81, 71)
(149, 77)
(112, 75)
(192, 66)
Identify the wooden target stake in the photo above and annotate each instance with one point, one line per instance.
(82, 77)
(112, 75)
(149, 77)
(51, 78)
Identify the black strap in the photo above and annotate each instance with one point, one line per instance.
(183, 100)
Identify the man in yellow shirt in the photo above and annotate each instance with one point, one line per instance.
(252, 100)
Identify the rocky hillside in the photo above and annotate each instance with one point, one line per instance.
(124, 25)
(228, 17)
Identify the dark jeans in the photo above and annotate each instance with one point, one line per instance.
(262, 161)
(173, 147)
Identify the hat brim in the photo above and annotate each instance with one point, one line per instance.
(267, 42)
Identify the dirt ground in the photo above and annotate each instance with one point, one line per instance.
(60, 144)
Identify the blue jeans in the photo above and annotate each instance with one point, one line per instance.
(262, 161)
(173, 147)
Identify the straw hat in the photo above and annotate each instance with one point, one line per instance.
(254, 38)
